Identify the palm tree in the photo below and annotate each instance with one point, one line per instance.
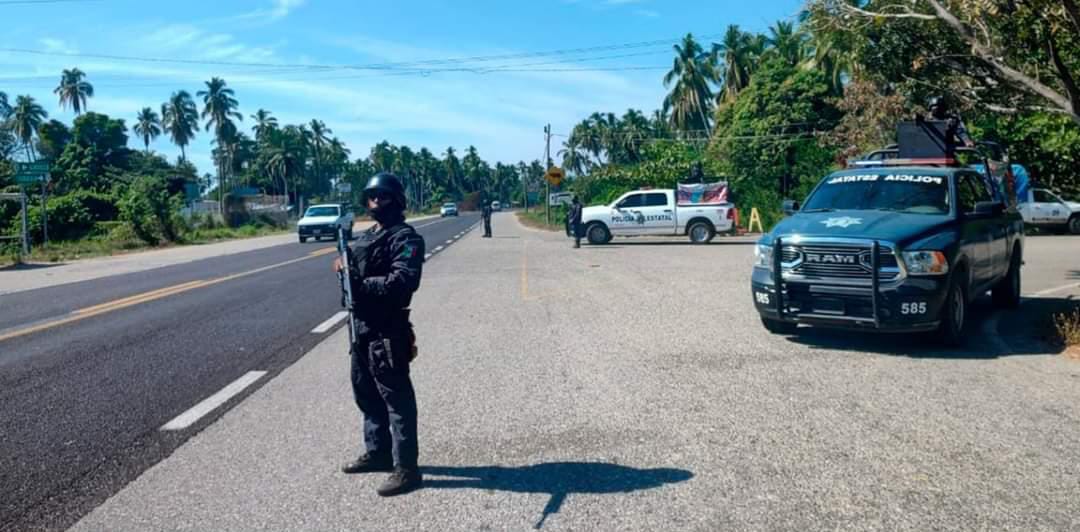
(180, 119)
(786, 42)
(74, 90)
(320, 136)
(734, 55)
(219, 109)
(574, 158)
(5, 107)
(634, 130)
(690, 99)
(148, 126)
(829, 50)
(26, 118)
(264, 123)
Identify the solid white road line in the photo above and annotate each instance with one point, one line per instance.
(207, 405)
(1056, 289)
(326, 325)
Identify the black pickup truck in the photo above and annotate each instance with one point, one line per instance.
(891, 249)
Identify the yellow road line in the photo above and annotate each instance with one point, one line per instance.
(153, 295)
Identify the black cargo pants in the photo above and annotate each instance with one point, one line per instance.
(384, 392)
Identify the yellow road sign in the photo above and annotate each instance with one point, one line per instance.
(555, 175)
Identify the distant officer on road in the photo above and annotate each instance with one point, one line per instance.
(485, 212)
(575, 221)
(386, 263)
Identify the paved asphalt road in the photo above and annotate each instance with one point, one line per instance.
(631, 387)
(83, 398)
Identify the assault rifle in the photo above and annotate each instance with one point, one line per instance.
(345, 276)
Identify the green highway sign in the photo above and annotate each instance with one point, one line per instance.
(29, 179)
(31, 173)
(39, 167)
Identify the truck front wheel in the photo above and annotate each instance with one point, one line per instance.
(701, 232)
(954, 314)
(303, 240)
(598, 234)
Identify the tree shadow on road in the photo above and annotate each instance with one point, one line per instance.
(31, 266)
(656, 243)
(1027, 330)
(559, 479)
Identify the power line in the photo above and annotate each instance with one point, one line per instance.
(369, 66)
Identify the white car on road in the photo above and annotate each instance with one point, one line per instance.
(1043, 208)
(448, 209)
(655, 212)
(323, 221)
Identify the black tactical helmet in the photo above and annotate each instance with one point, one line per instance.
(389, 183)
(937, 105)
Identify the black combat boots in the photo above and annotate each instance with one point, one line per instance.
(369, 463)
(401, 481)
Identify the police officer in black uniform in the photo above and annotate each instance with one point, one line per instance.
(388, 261)
(485, 212)
(939, 110)
(575, 221)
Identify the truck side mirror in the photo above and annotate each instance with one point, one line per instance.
(790, 207)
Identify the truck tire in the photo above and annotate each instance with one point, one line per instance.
(1074, 224)
(597, 233)
(954, 313)
(701, 232)
(779, 327)
(303, 240)
(1006, 293)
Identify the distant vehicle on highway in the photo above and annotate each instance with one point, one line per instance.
(654, 212)
(323, 221)
(890, 248)
(1042, 208)
(496, 206)
(448, 209)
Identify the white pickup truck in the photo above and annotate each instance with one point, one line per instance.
(1043, 208)
(322, 221)
(654, 212)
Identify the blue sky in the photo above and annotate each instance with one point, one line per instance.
(329, 49)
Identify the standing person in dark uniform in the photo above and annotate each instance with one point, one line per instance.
(485, 212)
(575, 221)
(386, 262)
(939, 110)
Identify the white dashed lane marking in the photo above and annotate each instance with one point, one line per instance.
(208, 405)
(326, 325)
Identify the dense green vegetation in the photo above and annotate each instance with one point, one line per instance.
(773, 113)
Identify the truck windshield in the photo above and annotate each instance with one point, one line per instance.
(322, 211)
(917, 194)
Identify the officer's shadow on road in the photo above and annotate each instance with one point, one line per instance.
(558, 479)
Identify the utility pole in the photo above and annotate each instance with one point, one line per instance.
(547, 165)
(25, 225)
(44, 216)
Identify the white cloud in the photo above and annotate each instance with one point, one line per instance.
(647, 13)
(53, 45)
(191, 42)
